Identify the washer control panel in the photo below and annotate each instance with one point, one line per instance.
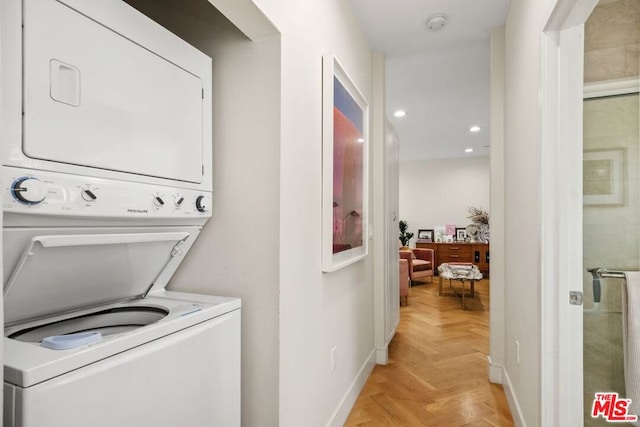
(50, 193)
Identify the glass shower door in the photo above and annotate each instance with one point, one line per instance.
(611, 196)
(611, 233)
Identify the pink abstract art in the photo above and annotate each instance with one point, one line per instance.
(348, 168)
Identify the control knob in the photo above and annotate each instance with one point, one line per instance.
(88, 195)
(29, 190)
(157, 200)
(202, 203)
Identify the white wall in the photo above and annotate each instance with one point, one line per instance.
(264, 242)
(523, 234)
(317, 311)
(385, 153)
(1, 268)
(439, 192)
(498, 286)
(237, 252)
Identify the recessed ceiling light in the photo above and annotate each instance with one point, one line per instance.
(360, 140)
(468, 150)
(475, 129)
(400, 113)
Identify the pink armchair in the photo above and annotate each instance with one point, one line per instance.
(421, 263)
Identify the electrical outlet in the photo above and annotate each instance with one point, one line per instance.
(333, 359)
(518, 352)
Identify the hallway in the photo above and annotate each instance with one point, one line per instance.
(437, 370)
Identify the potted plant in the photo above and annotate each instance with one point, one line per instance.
(405, 235)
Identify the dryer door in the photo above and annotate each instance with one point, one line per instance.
(95, 98)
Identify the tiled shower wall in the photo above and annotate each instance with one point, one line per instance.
(612, 41)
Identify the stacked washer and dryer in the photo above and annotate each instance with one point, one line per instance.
(106, 148)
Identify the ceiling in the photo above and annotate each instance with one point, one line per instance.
(440, 78)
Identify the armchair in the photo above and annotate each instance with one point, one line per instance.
(421, 263)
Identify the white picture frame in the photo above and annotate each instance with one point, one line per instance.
(604, 176)
(345, 168)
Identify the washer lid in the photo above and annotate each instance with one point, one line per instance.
(59, 273)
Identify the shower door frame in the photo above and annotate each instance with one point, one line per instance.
(561, 382)
(562, 95)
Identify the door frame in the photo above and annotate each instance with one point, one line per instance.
(561, 383)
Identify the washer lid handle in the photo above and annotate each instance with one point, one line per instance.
(54, 241)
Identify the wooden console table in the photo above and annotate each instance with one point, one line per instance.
(475, 253)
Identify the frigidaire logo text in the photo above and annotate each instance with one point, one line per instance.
(137, 211)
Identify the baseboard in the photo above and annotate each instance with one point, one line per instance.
(343, 410)
(495, 371)
(382, 355)
(514, 406)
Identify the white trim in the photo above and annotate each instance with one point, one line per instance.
(497, 294)
(569, 13)
(514, 405)
(495, 371)
(380, 263)
(2, 58)
(382, 355)
(247, 17)
(548, 298)
(561, 389)
(612, 87)
(384, 251)
(561, 172)
(343, 410)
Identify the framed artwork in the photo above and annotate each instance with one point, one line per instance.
(604, 173)
(461, 234)
(439, 232)
(345, 160)
(425, 234)
(450, 230)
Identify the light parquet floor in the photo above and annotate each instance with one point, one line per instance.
(437, 370)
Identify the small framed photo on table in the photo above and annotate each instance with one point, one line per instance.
(425, 234)
(461, 234)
